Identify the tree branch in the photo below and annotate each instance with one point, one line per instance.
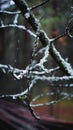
(17, 73)
(21, 27)
(64, 66)
(42, 35)
(8, 12)
(55, 101)
(41, 4)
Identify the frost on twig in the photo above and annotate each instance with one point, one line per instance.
(16, 19)
(17, 73)
(37, 71)
(65, 66)
(21, 27)
(42, 35)
(65, 96)
(9, 13)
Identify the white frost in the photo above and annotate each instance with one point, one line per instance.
(11, 2)
(27, 15)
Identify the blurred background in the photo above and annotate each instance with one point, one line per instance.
(16, 48)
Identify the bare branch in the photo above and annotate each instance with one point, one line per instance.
(68, 31)
(32, 112)
(57, 37)
(41, 4)
(69, 28)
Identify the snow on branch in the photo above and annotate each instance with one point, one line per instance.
(16, 19)
(66, 85)
(43, 60)
(21, 27)
(54, 78)
(17, 73)
(44, 70)
(65, 66)
(43, 36)
(38, 71)
(49, 49)
(21, 95)
(8, 12)
(65, 96)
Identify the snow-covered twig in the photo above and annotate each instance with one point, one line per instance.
(65, 96)
(8, 12)
(64, 65)
(62, 85)
(38, 71)
(41, 96)
(54, 78)
(21, 94)
(15, 21)
(43, 60)
(44, 71)
(17, 73)
(21, 27)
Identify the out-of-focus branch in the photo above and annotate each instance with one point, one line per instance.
(42, 95)
(65, 96)
(65, 85)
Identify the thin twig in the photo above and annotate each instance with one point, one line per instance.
(21, 27)
(66, 96)
(8, 12)
(64, 85)
(17, 73)
(41, 4)
(32, 112)
(27, 102)
(57, 37)
(54, 78)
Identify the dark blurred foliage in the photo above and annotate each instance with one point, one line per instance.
(15, 117)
